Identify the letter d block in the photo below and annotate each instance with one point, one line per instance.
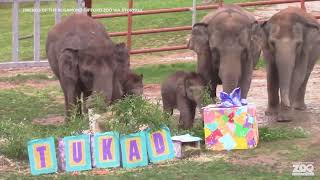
(134, 150)
(42, 156)
(106, 149)
(160, 145)
(77, 153)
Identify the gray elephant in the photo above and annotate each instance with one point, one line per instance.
(184, 91)
(228, 45)
(291, 49)
(84, 59)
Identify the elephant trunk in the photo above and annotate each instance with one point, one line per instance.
(285, 60)
(230, 72)
(105, 83)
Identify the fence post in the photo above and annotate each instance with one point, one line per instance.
(79, 6)
(58, 11)
(36, 31)
(15, 31)
(88, 5)
(194, 12)
(303, 6)
(130, 5)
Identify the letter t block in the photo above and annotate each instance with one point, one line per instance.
(42, 156)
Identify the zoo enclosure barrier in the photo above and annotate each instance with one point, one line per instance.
(15, 63)
(193, 9)
(36, 31)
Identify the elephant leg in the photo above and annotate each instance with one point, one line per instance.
(167, 107)
(86, 95)
(186, 117)
(273, 90)
(70, 96)
(299, 103)
(78, 104)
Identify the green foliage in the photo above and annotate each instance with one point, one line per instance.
(206, 96)
(274, 134)
(132, 113)
(17, 110)
(261, 63)
(97, 102)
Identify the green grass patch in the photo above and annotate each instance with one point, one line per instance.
(19, 78)
(17, 110)
(157, 73)
(184, 169)
(275, 134)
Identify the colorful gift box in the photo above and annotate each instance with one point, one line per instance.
(134, 150)
(160, 145)
(106, 149)
(228, 128)
(42, 156)
(77, 152)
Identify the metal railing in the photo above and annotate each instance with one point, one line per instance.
(15, 61)
(130, 32)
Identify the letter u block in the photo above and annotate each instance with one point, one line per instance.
(106, 149)
(160, 145)
(77, 152)
(42, 156)
(134, 150)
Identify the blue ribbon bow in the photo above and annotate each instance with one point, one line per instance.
(233, 99)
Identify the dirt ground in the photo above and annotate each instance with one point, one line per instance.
(308, 119)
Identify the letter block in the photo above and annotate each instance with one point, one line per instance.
(160, 145)
(134, 150)
(106, 149)
(42, 156)
(77, 152)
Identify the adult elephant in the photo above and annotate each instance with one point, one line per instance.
(291, 49)
(84, 59)
(228, 46)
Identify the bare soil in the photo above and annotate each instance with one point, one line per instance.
(308, 119)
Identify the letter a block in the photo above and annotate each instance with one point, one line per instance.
(134, 150)
(160, 145)
(77, 152)
(42, 156)
(106, 150)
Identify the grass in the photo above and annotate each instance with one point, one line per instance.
(184, 169)
(17, 110)
(19, 78)
(275, 134)
(157, 73)
(114, 24)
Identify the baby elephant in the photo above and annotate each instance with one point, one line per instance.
(133, 84)
(184, 91)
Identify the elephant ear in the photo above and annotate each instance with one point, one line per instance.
(69, 64)
(199, 40)
(256, 41)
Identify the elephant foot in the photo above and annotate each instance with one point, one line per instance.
(300, 106)
(283, 118)
(285, 115)
(271, 111)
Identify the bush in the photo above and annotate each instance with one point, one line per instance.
(132, 113)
